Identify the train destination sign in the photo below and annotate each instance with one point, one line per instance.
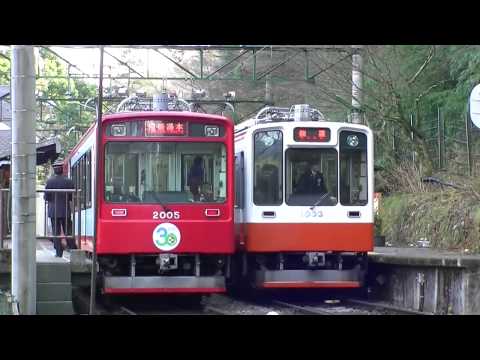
(164, 128)
(312, 134)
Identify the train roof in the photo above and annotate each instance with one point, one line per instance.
(153, 114)
(296, 115)
(252, 124)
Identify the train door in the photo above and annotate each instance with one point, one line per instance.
(239, 196)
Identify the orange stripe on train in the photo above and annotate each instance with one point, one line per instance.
(308, 237)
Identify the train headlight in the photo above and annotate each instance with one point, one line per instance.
(268, 140)
(352, 140)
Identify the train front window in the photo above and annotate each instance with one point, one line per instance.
(311, 177)
(165, 172)
(268, 187)
(353, 169)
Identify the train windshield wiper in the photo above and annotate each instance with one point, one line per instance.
(164, 207)
(319, 201)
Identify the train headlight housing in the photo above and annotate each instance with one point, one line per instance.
(212, 130)
(352, 140)
(268, 140)
(119, 130)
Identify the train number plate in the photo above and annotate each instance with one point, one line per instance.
(162, 215)
(312, 213)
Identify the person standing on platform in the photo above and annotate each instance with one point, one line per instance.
(59, 210)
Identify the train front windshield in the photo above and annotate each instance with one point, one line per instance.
(313, 176)
(165, 172)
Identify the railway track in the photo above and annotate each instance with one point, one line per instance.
(250, 305)
(349, 307)
(303, 309)
(387, 307)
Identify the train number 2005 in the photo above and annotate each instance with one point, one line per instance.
(166, 215)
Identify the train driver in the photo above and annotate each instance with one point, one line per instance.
(195, 177)
(311, 181)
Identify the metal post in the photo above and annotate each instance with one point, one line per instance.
(268, 85)
(394, 148)
(79, 220)
(93, 279)
(201, 64)
(411, 135)
(1, 219)
(357, 80)
(268, 91)
(439, 139)
(444, 155)
(254, 70)
(24, 274)
(469, 148)
(306, 65)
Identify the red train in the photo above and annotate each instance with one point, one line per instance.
(166, 198)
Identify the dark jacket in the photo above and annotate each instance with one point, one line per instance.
(195, 176)
(311, 183)
(58, 207)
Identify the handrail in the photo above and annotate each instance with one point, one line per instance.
(72, 207)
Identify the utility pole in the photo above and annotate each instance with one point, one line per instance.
(357, 83)
(24, 264)
(93, 279)
(268, 91)
(268, 83)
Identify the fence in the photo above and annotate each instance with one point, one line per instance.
(452, 142)
(45, 228)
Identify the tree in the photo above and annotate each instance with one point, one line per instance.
(5, 67)
(63, 118)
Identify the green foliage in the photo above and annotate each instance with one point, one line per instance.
(4, 68)
(417, 80)
(61, 115)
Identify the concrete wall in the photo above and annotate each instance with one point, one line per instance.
(430, 289)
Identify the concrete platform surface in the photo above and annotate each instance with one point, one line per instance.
(423, 257)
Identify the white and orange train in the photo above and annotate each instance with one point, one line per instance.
(303, 200)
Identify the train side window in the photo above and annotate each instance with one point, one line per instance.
(239, 181)
(268, 170)
(88, 177)
(83, 176)
(74, 172)
(353, 169)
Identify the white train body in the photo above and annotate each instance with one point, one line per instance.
(304, 200)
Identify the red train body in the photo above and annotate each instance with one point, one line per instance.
(155, 235)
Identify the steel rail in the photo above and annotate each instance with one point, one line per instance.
(378, 305)
(308, 310)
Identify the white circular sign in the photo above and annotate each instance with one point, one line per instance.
(166, 237)
(475, 105)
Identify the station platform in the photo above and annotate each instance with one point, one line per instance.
(425, 279)
(55, 276)
(423, 257)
